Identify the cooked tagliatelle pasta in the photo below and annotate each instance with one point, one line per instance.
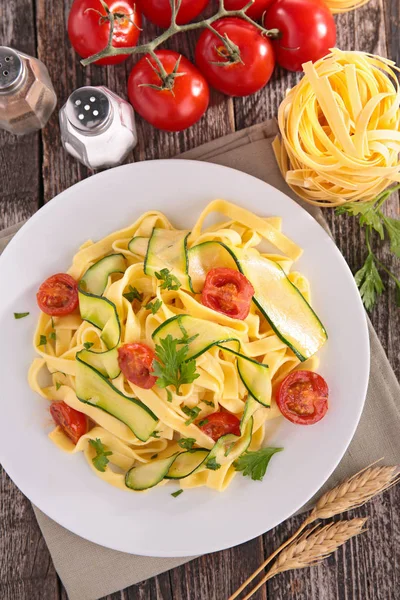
(143, 285)
(340, 129)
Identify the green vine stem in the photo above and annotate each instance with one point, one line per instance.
(172, 30)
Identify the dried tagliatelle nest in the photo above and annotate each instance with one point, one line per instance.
(339, 126)
(342, 6)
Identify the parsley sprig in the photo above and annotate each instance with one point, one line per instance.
(154, 306)
(133, 294)
(187, 444)
(255, 464)
(169, 281)
(368, 278)
(100, 461)
(171, 366)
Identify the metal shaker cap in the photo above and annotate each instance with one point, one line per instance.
(11, 68)
(88, 109)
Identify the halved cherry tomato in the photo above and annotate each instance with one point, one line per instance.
(219, 424)
(58, 295)
(227, 291)
(256, 10)
(73, 423)
(136, 363)
(159, 11)
(303, 397)
(89, 28)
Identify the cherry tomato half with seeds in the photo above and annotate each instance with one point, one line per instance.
(308, 31)
(302, 397)
(73, 423)
(168, 109)
(219, 424)
(256, 10)
(136, 363)
(228, 291)
(89, 28)
(159, 11)
(58, 295)
(243, 71)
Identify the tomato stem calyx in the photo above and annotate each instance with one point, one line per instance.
(167, 79)
(231, 56)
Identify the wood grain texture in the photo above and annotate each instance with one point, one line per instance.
(368, 567)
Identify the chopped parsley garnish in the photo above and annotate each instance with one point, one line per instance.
(203, 422)
(58, 385)
(100, 461)
(169, 281)
(187, 443)
(185, 339)
(192, 413)
(212, 464)
(43, 340)
(155, 434)
(177, 493)
(133, 294)
(255, 464)
(20, 315)
(88, 345)
(209, 403)
(171, 366)
(52, 335)
(169, 395)
(154, 456)
(154, 306)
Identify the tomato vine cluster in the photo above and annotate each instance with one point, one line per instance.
(236, 52)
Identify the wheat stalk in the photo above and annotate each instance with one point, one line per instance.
(351, 493)
(313, 547)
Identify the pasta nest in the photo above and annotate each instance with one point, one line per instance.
(342, 6)
(339, 126)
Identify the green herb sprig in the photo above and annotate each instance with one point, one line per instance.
(133, 294)
(20, 315)
(168, 281)
(171, 366)
(100, 461)
(255, 464)
(187, 443)
(154, 306)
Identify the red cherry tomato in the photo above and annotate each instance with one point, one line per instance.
(227, 291)
(256, 10)
(58, 295)
(136, 363)
(88, 28)
(159, 11)
(303, 397)
(168, 110)
(308, 31)
(219, 424)
(73, 423)
(247, 75)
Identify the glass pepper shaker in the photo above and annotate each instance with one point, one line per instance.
(97, 127)
(27, 97)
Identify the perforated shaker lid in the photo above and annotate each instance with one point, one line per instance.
(11, 68)
(88, 109)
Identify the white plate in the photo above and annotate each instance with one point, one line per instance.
(200, 520)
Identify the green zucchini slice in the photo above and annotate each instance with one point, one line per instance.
(95, 279)
(148, 475)
(255, 377)
(138, 245)
(105, 363)
(167, 249)
(203, 258)
(229, 447)
(94, 389)
(101, 313)
(186, 463)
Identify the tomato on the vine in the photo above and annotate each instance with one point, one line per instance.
(242, 69)
(255, 11)
(308, 31)
(303, 397)
(172, 105)
(89, 27)
(159, 11)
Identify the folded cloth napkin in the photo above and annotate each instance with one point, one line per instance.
(89, 571)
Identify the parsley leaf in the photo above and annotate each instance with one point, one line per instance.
(255, 464)
(169, 281)
(212, 464)
(155, 434)
(203, 422)
(393, 228)
(100, 461)
(133, 294)
(177, 493)
(185, 339)
(171, 367)
(187, 443)
(58, 385)
(192, 413)
(43, 340)
(52, 335)
(154, 306)
(20, 315)
(367, 213)
(369, 282)
(88, 345)
(209, 403)
(169, 395)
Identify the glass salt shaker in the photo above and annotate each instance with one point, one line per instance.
(27, 97)
(97, 127)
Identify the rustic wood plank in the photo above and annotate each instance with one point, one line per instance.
(19, 198)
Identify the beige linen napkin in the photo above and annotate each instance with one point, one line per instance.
(89, 571)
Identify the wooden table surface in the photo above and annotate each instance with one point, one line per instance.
(35, 168)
